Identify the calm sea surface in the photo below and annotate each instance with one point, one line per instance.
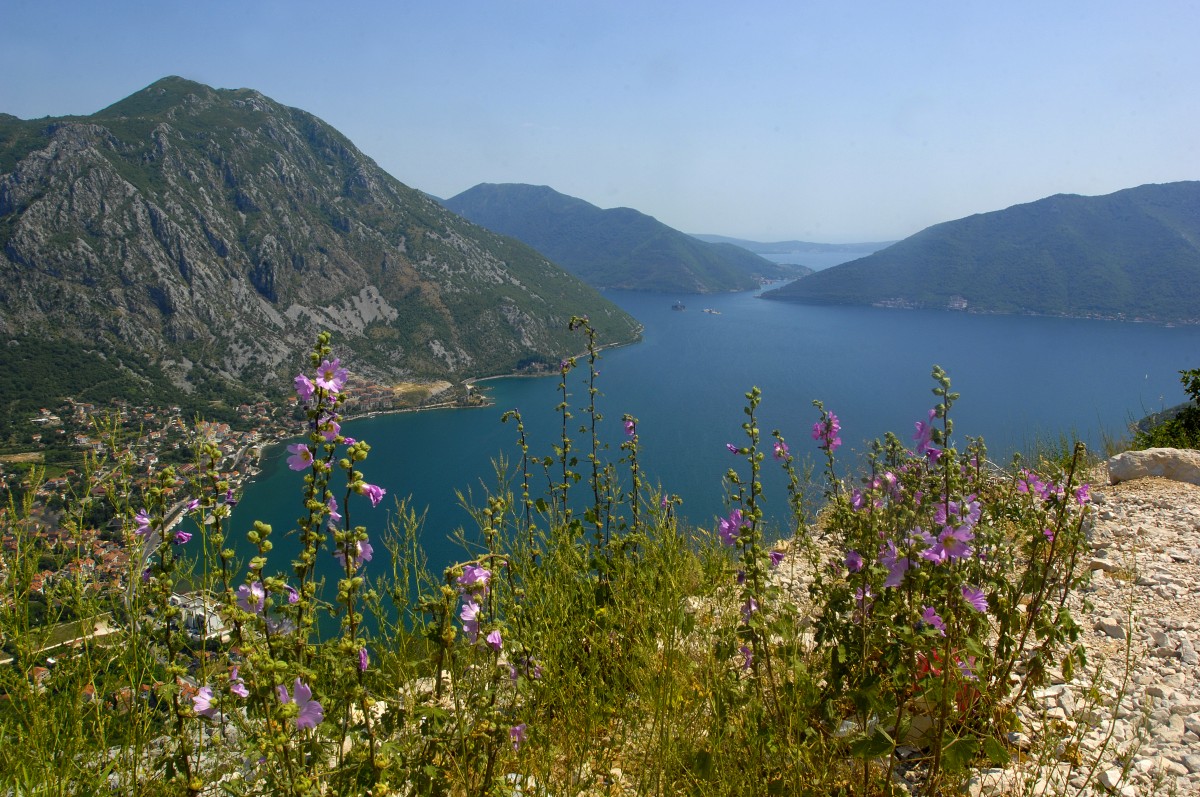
(1022, 379)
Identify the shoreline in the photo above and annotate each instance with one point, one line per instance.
(283, 437)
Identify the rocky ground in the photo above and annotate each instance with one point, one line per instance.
(1140, 732)
(1129, 724)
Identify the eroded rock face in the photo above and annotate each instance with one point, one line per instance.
(1176, 464)
(223, 229)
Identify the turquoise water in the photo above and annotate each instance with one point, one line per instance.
(1021, 379)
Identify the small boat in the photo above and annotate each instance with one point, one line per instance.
(679, 306)
(711, 311)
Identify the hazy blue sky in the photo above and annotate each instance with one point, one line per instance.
(830, 121)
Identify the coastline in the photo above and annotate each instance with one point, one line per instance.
(282, 436)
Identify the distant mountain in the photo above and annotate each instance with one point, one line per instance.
(615, 248)
(209, 234)
(794, 247)
(1133, 254)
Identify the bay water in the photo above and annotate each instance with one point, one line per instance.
(1022, 380)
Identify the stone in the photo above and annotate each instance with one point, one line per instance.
(1169, 463)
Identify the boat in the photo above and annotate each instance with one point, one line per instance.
(679, 306)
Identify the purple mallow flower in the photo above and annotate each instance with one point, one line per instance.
(301, 458)
(202, 702)
(304, 387)
(924, 435)
(495, 641)
(930, 618)
(854, 561)
(825, 432)
(781, 450)
(516, 734)
(331, 376)
(731, 528)
(775, 557)
(630, 427)
(310, 711)
(747, 656)
(251, 597)
(975, 598)
(293, 596)
(362, 553)
(363, 659)
(470, 620)
(142, 519)
(182, 537)
(732, 448)
(373, 492)
(474, 579)
(236, 685)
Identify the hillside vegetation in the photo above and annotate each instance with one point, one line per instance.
(1132, 255)
(614, 248)
(212, 232)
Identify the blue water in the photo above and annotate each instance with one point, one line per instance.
(1021, 379)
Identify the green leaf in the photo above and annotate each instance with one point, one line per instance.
(996, 752)
(958, 754)
(873, 746)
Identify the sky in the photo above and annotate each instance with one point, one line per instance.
(819, 121)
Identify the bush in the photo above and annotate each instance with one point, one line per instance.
(583, 643)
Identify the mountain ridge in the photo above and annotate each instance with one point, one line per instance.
(216, 231)
(615, 247)
(1130, 255)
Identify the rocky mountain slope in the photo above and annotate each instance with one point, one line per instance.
(1133, 254)
(216, 231)
(613, 248)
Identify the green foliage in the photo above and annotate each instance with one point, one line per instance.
(615, 248)
(587, 641)
(1178, 427)
(1128, 255)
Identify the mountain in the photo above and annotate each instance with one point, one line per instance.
(793, 247)
(1133, 254)
(614, 248)
(210, 234)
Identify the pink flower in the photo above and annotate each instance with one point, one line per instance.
(1081, 494)
(334, 515)
(251, 597)
(825, 431)
(142, 519)
(630, 427)
(310, 712)
(781, 450)
(470, 620)
(182, 537)
(292, 595)
(747, 656)
(363, 551)
(301, 458)
(331, 376)
(924, 436)
(975, 598)
(732, 448)
(731, 527)
(494, 640)
(775, 557)
(930, 618)
(516, 735)
(854, 561)
(202, 702)
(363, 659)
(304, 387)
(474, 579)
(236, 685)
(373, 492)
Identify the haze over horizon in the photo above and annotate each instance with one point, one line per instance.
(768, 122)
